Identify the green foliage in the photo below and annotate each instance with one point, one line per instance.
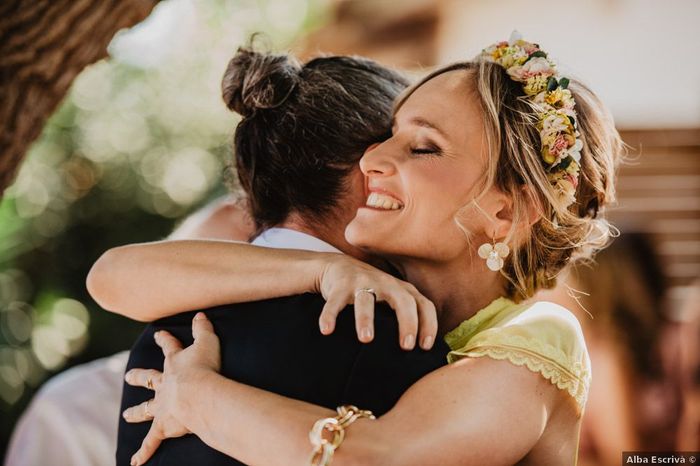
(141, 140)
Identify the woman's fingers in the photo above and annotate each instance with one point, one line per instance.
(169, 344)
(146, 378)
(329, 314)
(149, 446)
(201, 326)
(364, 314)
(427, 318)
(139, 413)
(203, 331)
(427, 322)
(404, 305)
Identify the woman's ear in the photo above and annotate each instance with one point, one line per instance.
(502, 216)
(533, 208)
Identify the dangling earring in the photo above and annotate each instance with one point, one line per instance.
(494, 254)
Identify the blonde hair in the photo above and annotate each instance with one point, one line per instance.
(562, 234)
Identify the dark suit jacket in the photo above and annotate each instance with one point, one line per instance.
(276, 345)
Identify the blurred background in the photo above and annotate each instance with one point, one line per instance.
(141, 140)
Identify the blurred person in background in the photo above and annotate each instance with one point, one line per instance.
(619, 299)
(74, 430)
(689, 344)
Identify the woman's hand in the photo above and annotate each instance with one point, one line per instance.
(180, 365)
(345, 280)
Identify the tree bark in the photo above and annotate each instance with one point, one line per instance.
(44, 44)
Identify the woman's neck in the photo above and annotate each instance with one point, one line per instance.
(459, 289)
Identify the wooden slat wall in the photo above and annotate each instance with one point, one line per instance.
(659, 193)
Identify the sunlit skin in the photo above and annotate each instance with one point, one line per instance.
(450, 416)
(435, 164)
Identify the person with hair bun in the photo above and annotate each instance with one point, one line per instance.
(495, 177)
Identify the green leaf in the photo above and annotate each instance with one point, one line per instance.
(573, 121)
(564, 164)
(564, 83)
(552, 84)
(536, 54)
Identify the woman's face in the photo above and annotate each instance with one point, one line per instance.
(429, 170)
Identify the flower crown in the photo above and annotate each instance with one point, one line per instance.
(547, 90)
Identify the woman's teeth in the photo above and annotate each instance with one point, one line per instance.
(380, 201)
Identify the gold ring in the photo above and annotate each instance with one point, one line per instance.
(149, 383)
(366, 290)
(146, 411)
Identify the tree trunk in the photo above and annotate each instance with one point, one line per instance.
(44, 44)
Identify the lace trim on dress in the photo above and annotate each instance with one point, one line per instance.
(576, 384)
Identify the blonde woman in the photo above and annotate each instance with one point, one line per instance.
(493, 180)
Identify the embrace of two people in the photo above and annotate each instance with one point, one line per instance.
(384, 311)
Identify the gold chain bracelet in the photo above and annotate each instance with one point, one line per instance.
(324, 448)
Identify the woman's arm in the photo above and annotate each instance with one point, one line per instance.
(152, 280)
(474, 412)
(226, 219)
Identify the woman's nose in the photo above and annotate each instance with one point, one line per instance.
(376, 160)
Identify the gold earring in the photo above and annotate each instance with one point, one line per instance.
(494, 254)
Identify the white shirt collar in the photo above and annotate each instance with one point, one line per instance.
(286, 238)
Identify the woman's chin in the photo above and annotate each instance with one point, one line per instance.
(365, 235)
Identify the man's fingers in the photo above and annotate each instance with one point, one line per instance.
(146, 378)
(329, 314)
(167, 342)
(149, 446)
(364, 315)
(139, 413)
(404, 305)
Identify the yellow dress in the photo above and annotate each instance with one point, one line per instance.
(544, 337)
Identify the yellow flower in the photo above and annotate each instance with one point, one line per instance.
(559, 98)
(553, 97)
(547, 155)
(535, 85)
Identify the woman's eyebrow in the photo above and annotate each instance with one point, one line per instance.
(419, 121)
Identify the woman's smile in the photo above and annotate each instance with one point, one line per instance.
(382, 200)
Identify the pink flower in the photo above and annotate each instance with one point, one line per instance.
(530, 48)
(560, 143)
(538, 66)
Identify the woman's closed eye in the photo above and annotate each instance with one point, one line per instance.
(426, 150)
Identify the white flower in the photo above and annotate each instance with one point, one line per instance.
(514, 37)
(574, 151)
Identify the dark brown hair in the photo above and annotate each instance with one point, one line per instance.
(304, 127)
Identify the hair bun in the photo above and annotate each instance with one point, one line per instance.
(255, 80)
